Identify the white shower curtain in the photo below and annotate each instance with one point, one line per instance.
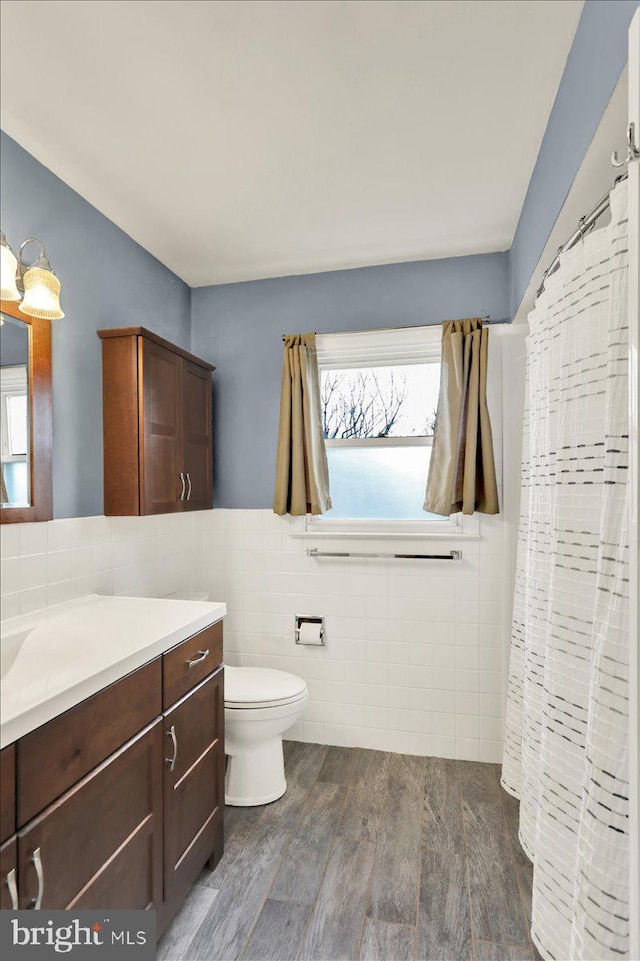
(565, 751)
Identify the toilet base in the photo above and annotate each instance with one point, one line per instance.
(254, 775)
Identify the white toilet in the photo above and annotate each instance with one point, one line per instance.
(259, 706)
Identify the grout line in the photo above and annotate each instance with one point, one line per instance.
(245, 946)
(466, 866)
(421, 850)
(528, 927)
(291, 833)
(516, 870)
(367, 899)
(312, 910)
(502, 944)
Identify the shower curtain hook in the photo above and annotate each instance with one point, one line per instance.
(633, 152)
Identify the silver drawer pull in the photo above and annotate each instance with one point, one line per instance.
(13, 888)
(184, 486)
(36, 860)
(189, 483)
(200, 657)
(171, 761)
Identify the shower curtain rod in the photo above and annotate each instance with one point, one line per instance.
(585, 223)
(486, 318)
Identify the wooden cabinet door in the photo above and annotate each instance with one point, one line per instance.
(196, 436)
(160, 380)
(9, 875)
(194, 784)
(100, 844)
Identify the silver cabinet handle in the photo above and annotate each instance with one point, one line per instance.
(183, 486)
(171, 761)
(13, 888)
(189, 483)
(36, 860)
(200, 657)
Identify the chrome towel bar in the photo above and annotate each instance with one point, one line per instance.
(449, 556)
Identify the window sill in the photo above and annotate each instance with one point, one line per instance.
(386, 535)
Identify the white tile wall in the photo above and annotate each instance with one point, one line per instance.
(48, 563)
(414, 649)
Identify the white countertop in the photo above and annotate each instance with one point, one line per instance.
(54, 658)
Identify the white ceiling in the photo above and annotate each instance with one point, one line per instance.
(237, 140)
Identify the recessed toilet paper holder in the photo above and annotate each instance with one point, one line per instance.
(301, 619)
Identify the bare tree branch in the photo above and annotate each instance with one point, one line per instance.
(359, 406)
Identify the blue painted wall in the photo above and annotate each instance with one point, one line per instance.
(238, 328)
(108, 280)
(594, 65)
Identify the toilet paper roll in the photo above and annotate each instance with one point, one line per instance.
(310, 633)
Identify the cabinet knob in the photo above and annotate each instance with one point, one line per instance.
(182, 480)
(189, 483)
(171, 761)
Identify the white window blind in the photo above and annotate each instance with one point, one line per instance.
(378, 348)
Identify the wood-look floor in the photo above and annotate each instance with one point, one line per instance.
(369, 856)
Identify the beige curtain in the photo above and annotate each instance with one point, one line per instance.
(462, 473)
(302, 476)
(4, 497)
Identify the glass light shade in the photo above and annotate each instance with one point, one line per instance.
(41, 294)
(8, 267)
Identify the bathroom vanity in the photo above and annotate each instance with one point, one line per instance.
(112, 760)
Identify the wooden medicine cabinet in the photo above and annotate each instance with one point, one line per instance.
(157, 425)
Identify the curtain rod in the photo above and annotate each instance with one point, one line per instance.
(377, 330)
(584, 224)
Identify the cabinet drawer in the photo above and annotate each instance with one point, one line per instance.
(56, 755)
(7, 792)
(100, 844)
(184, 666)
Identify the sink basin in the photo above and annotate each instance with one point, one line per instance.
(10, 647)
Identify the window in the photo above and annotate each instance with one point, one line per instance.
(16, 424)
(14, 433)
(379, 399)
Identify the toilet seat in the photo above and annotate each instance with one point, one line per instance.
(251, 688)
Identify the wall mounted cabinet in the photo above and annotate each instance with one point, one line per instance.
(157, 425)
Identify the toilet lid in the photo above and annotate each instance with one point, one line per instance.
(261, 687)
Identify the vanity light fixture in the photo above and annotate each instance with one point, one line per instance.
(35, 285)
(8, 270)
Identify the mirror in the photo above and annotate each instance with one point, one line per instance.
(14, 413)
(25, 417)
